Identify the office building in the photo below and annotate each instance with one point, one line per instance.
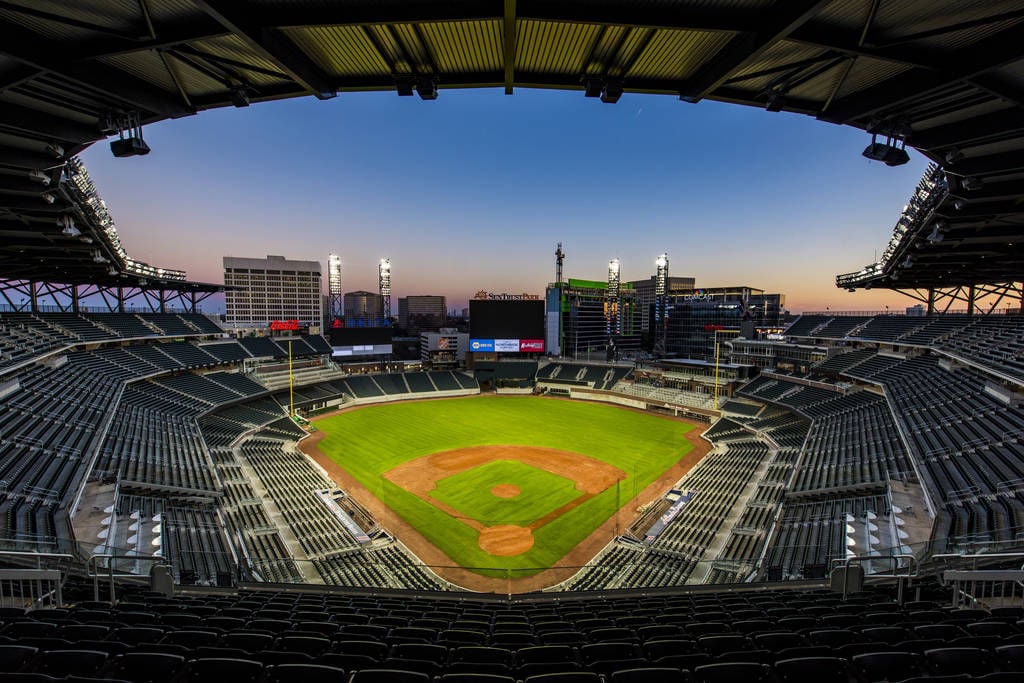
(263, 290)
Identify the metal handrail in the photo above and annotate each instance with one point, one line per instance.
(93, 570)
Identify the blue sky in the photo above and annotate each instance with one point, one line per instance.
(473, 191)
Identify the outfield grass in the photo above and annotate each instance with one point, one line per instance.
(540, 492)
(372, 440)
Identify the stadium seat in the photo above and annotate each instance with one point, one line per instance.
(824, 669)
(304, 673)
(566, 677)
(146, 667)
(872, 667)
(748, 672)
(474, 678)
(650, 675)
(14, 657)
(959, 660)
(388, 676)
(190, 638)
(60, 663)
(220, 669)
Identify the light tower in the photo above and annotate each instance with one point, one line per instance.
(335, 299)
(559, 258)
(384, 280)
(613, 325)
(661, 303)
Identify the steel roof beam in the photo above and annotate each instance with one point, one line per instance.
(23, 158)
(995, 51)
(509, 44)
(45, 126)
(746, 47)
(993, 163)
(272, 44)
(29, 49)
(974, 130)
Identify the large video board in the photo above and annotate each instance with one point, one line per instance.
(361, 341)
(504, 326)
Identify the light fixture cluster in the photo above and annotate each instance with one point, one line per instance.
(128, 126)
(423, 85)
(608, 89)
(892, 151)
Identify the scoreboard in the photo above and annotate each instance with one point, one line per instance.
(506, 326)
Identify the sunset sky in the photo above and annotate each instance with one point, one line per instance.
(474, 190)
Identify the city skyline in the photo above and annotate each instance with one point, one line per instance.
(474, 191)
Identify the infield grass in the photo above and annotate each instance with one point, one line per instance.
(369, 441)
(540, 492)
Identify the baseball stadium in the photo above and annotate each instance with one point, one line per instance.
(837, 497)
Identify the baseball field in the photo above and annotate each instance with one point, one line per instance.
(503, 483)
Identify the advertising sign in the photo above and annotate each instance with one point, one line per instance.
(478, 345)
(506, 345)
(531, 345)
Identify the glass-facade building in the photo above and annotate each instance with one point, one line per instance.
(706, 317)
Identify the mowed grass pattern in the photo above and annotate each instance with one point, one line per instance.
(370, 441)
(540, 492)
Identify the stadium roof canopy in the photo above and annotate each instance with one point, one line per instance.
(943, 76)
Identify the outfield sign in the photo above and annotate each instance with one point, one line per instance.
(506, 345)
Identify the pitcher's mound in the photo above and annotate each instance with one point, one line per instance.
(506, 540)
(505, 491)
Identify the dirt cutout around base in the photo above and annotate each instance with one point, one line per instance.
(505, 491)
(506, 540)
(443, 565)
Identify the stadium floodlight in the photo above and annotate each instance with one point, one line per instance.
(612, 91)
(426, 87)
(39, 177)
(129, 142)
(239, 96)
(48, 197)
(55, 149)
(113, 271)
(405, 85)
(892, 152)
(67, 225)
(935, 236)
(972, 183)
(959, 204)
(98, 257)
(952, 156)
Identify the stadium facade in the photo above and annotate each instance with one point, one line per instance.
(261, 291)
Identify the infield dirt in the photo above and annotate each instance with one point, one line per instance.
(504, 541)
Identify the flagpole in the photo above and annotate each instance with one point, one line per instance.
(291, 383)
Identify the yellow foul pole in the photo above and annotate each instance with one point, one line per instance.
(291, 383)
(717, 345)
